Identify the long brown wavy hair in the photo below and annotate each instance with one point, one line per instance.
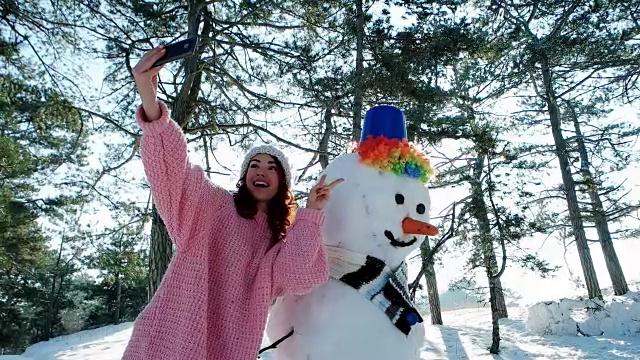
(280, 210)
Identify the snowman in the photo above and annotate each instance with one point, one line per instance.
(374, 219)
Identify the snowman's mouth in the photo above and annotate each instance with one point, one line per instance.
(397, 243)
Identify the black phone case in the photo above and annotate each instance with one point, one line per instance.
(178, 50)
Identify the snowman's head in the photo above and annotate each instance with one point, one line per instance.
(378, 211)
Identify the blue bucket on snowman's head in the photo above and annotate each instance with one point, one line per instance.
(384, 120)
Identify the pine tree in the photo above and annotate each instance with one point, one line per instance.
(322, 81)
(42, 140)
(610, 150)
(492, 218)
(121, 261)
(561, 45)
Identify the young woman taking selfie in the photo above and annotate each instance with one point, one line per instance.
(235, 253)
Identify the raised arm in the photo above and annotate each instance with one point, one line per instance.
(301, 262)
(181, 191)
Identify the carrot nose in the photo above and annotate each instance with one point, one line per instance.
(411, 226)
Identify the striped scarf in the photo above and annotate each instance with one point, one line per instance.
(370, 276)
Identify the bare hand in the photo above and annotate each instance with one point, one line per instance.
(146, 78)
(320, 194)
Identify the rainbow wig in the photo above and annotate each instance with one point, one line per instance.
(396, 156)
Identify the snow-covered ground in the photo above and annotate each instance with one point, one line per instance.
(541, 326)
(466, 335)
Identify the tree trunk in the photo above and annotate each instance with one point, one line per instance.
(207, 163)
(116, 318)
(500, 303)
(432, 284)
(495, 288)
(49, 321)
(590, 276)
(160, 252)
(53, 296)
(616, 274)
(489, 256)
(358, 90)
(326, 136)
(186, 101)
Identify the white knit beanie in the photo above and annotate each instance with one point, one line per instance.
(272, 151)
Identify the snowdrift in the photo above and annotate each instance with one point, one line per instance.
(465, 336)
(614, 317)
(103, 343)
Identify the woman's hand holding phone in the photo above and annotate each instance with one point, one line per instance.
(146, 78)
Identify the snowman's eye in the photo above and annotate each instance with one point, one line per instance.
(421, 208)
(399, 199)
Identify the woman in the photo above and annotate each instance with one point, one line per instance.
(235, 253)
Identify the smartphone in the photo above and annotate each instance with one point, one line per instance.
(178, 50)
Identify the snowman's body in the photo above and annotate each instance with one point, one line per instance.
(335, 321)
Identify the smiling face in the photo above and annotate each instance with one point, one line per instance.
(375, 212)
(263, 177)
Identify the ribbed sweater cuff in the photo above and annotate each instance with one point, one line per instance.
(313, 215)
(157, 126)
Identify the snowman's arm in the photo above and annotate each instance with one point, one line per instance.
(301, 263)
(181, 192)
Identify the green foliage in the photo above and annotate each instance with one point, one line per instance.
(41, 129)
(40, 133)
(123, 267)
(22, 248)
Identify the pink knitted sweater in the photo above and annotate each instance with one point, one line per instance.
(213, 301)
